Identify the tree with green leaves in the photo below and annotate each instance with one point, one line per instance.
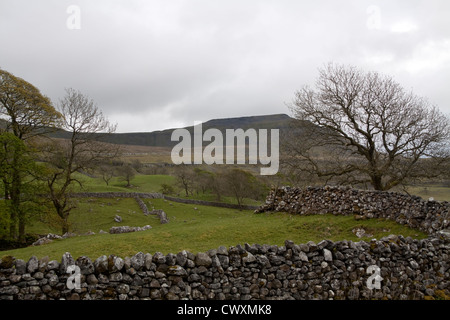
(12, 156)
(26, 114)
(17, 163)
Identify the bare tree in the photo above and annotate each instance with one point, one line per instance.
(106, 170)
(83, 151)
(202, 180)
(363, 127)
(241, 184)
(185, 179)
(126, 173)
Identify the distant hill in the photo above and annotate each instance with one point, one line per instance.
(162, 138)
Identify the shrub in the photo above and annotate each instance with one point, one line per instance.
(167, 189)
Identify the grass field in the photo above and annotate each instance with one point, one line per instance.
(195, 228)
(152, 183)
(148, 184)
(140, 183)
(436, 192)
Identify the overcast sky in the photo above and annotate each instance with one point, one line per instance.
(151, 65)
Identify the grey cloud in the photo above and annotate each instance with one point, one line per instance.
(195, 60)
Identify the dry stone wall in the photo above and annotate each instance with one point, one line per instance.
(211, 203)
(429, 216)
(409, 269)
(135, 195)
(152, 195)
(393, 267)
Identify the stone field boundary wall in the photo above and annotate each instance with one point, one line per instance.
(405, 268)
(135, 195)
(155, 195)
(211, 203)
(138, 196)
(428, 216)
(409, 269)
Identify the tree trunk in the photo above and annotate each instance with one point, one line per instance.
(15, 204)
(64, 219)
(22, 227)
(12, 223)
(65, 226)
(377, 182)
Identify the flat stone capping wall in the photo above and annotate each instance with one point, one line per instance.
(429, 216)
(393, 267)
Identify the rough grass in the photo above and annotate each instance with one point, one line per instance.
(197, 228)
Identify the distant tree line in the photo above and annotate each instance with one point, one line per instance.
(223, 181)
(193, 181)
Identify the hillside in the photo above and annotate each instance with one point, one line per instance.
(162, 138)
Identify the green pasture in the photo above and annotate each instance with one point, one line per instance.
(437, 192)
(195, 228)
(140, 183)
(192, 227)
